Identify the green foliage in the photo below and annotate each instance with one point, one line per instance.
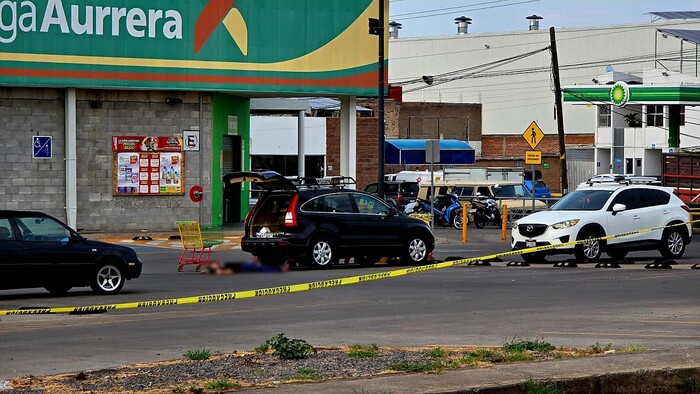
(689, 384)
(177, 389)
(422, 366)
(222, 384)
(307, 374)
(289, 349)
(482, 355)
(262, 349)
(198, 355)
(635, 348)
(437, 352)
(363, 351)
(597, 348)
(532, 387)
(521, 345)
(519, 356)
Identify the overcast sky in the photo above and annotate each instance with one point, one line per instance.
(436, 17)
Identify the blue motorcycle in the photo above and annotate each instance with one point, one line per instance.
(446, 210)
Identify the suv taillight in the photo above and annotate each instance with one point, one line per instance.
(399, 197)
(685, 208)
(290, 218)
(250, 214)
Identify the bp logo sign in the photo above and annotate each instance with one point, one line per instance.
(620, 94)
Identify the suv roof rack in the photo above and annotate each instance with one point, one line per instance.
(339, 182)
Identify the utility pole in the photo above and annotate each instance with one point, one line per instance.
(559, 111)
(380, 105)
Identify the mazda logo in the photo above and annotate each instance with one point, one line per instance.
(529, 228)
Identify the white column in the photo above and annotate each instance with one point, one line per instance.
(301, 136)
(348, 136)
(71, 159)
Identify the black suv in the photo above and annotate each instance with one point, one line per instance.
(319, 224)
(397, 193)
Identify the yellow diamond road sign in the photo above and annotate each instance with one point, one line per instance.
(533, 135)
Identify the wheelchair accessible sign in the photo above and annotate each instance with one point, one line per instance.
(41, 147)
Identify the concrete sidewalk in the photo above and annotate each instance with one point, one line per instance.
(651, 371)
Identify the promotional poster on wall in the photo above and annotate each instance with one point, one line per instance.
(148, 166)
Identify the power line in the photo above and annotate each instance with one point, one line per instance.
(470, 9)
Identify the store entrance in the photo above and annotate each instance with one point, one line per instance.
(232, 162)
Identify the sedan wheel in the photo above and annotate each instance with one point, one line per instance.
(417, 250)
(673, 246)
(108, 279)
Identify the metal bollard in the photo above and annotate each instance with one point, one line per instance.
(504, 223)
(464, 222)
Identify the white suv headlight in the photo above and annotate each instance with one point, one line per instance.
(565, 224)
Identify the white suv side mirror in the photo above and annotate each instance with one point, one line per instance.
(618, 208)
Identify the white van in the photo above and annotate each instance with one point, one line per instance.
(422, 177)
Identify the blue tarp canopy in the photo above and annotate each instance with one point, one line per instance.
(412, 151)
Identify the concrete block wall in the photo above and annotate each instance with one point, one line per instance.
(102, 114)
(39, 184)
(27, 183)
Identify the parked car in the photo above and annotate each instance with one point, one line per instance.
(320, 224)
(535, 185)
(603, 210)
(38, 250)
(397, 193)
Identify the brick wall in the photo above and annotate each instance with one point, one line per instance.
(509, 151)
(39, 184)
(366, 149)
(499, 146)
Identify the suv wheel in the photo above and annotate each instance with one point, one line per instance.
(321, 253)
(672, 244)
(107, 279)
(591, 250)
(417, 250)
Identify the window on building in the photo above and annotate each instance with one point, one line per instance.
(655, 115)
(604, 116)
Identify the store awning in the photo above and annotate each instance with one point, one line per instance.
(412, 151)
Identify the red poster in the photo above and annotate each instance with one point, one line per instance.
(146, 144)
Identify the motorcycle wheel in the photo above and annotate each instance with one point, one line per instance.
(457, 221)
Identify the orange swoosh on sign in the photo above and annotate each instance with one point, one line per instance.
(210, 17)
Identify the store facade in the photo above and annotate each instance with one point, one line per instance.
(112, 112)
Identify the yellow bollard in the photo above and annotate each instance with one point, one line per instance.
(504, 223)
(464, 222)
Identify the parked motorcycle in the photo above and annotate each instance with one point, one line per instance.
(447, 210)
(485, 212)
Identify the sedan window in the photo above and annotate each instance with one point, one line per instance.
(583, 200)
(42, 229)
(6, 230)
(371, 205)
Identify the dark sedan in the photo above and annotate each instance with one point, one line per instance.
(38, 250)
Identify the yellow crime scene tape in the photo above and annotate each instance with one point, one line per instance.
(351, 280)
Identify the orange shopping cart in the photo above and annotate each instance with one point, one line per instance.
(197, 243)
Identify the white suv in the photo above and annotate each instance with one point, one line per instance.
(602, 210)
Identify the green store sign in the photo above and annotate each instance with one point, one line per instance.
(312, 46)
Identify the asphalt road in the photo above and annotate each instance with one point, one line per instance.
(454, 306)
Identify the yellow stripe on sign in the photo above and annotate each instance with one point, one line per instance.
(350, 280)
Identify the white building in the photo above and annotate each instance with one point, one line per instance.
(510, 75)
